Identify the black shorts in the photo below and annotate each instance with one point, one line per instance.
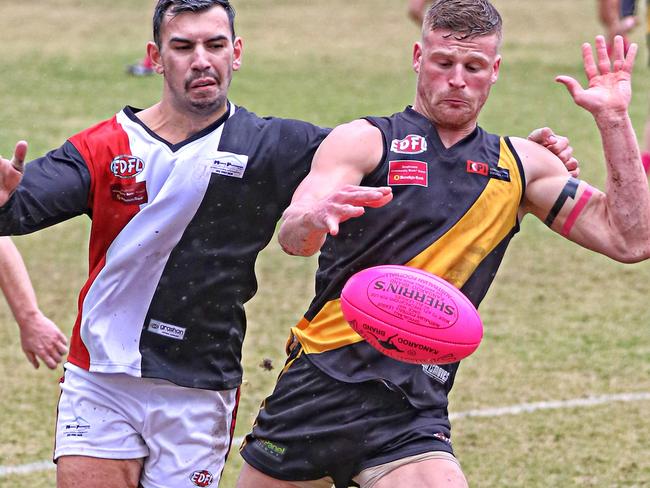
(314, 426)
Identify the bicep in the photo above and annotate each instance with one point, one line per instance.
(347, 154)
(571, 207)
(565, 204)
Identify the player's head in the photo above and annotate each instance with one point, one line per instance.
(466, 19)
(196, 51)
(176, 7)
(457, 61)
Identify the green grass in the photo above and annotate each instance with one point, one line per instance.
(560, 321)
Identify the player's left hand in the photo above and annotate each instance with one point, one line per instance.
(40, 338)
(558, 145)
(610, 87)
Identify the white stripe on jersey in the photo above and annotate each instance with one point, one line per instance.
(116, 304)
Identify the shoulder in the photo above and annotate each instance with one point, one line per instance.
(358, 132)
(357, 143)
(282, 127)
(99, 131)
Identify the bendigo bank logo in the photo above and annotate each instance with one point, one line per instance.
(125, 166)
(411, 144)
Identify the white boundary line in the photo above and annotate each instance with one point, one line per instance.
(589, 401)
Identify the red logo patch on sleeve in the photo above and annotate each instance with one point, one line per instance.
(477, 167)
(408, 173)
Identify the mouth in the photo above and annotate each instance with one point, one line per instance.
(455, 101)
(204, 82)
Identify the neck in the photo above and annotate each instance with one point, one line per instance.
(449, 135)
(175, 126)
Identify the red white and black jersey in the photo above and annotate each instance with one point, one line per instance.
(176, 229)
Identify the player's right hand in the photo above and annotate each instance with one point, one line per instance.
(347, 203)
(11, 171)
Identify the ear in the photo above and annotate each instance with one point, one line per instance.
(238, 48)
(156, 59)
(495, 69)
(417, 56)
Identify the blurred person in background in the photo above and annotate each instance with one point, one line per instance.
(416, 9)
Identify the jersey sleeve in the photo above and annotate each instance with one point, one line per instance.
(54, 188)
(295, 150)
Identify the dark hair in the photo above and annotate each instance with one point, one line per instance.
(175, 7)
(466, 18)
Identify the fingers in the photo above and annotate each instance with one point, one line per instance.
(571, 84)
(572, 167)
(591, 70)
(31, 357)
(630, 57)
(43, 340)
(543, 136)
(350, 202)
(363, 196)
(332, 225)
(604, 65)
(20, 152)
(53, 354)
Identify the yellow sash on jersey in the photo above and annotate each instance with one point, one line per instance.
(454, 256)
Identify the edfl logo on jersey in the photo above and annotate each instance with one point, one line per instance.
(125, 166)
(411, 144)
(202, 478)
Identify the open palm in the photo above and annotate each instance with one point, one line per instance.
(610, 87)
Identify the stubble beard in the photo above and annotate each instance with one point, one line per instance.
(208, 106)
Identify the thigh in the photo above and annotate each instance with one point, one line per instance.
(189, 433)
(76, 471)
(314, 426)
(405, 468)
(98, 416)
(430, 473)
(250, 477)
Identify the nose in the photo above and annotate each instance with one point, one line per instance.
(200, 59)
(456, 78)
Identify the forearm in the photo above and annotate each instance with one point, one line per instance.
(627, 197)
(15, 283)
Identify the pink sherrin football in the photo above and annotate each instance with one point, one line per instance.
(411, 315)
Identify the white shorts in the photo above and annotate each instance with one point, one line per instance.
(183, 434)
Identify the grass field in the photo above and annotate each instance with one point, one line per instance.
(561, 323)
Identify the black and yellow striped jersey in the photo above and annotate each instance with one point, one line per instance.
(453, 214)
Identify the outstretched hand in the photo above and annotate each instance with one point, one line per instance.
(610, 87)
(11, 171)
(346, 203)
